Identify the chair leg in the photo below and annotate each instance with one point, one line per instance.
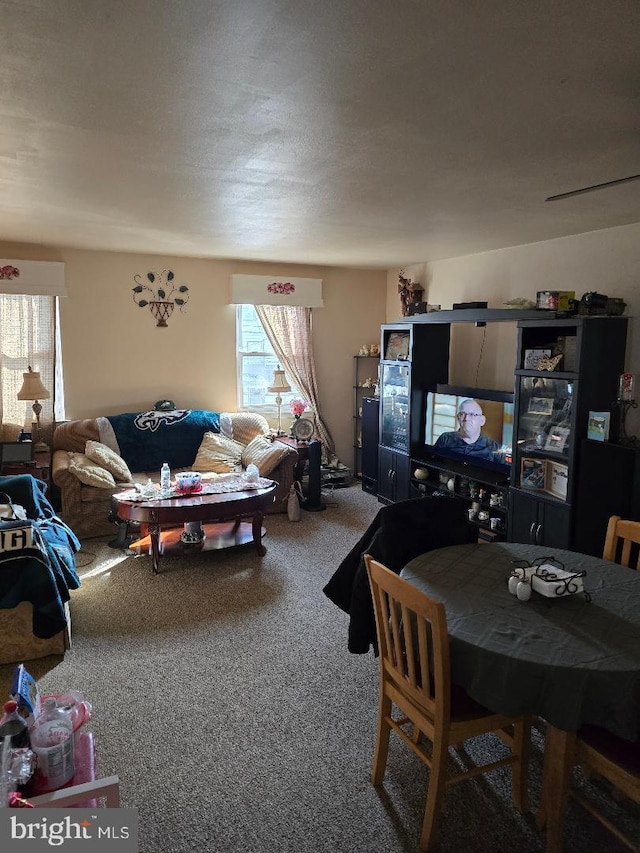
(382, 740)
(435, 792)
(520, 768)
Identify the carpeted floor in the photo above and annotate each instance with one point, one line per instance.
(225, 699)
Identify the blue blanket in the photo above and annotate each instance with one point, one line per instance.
(147, 439)
(37, 562)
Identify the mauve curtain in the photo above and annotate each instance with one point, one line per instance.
(288, 328)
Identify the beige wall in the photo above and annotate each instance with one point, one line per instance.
(116, 359)
(604, 261)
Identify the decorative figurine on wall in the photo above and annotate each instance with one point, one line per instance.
(162, 304)
(409, 291)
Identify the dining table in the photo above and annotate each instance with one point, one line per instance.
(571, 658)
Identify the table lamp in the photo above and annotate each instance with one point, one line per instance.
(33, 389)
(279, 386)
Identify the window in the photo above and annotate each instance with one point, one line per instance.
(28, 336)
(256, 363)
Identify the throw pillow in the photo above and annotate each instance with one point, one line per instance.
(89, 473)
(219, 454)
(105, 457)
(264, 453)
(243, 426)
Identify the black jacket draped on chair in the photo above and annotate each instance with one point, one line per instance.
(397, 534)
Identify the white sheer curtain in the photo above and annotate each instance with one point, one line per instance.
(27, 337)
(289, 331)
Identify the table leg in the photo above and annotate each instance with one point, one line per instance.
(256, 527)
(154, 536)
(559, 753)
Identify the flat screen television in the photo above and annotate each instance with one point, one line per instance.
(490, 418)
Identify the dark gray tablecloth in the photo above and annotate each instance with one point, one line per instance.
(567, 660)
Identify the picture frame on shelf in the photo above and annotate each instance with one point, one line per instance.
(557, 479)
(557, 439)
(598, 426)
(532, 473)
(541, 406)
(397, 346)
(532, 357)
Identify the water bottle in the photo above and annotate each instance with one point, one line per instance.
(52, 742)
(13, 726)
(165, 478)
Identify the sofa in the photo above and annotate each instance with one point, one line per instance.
(37, 574)
(95, 457)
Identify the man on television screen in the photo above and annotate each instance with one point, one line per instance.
(468, 438)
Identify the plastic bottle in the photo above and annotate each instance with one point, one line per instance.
(13, 726)
(52, 742)
(165, 477)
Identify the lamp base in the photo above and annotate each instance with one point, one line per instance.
(40, 447)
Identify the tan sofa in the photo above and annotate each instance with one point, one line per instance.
(86, 508)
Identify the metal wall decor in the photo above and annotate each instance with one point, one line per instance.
(163, 301)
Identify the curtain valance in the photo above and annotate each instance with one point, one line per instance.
(33, 278)
(271, 290)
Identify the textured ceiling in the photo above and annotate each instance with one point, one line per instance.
(349, 132)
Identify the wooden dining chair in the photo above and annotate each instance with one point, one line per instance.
(415, 677)
(617, 760)
(622, 542)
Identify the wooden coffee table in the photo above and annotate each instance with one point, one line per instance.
(219, 514)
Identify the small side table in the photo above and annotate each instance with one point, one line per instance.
(39, 466)
(309, 453)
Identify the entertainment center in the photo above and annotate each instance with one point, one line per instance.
(523, 485)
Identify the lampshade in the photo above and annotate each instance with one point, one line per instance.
(32, 387)
(279, 384)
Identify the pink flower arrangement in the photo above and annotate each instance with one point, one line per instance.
(285, 287)
(297, 407)
(9, 272)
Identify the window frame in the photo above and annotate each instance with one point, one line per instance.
(36, 344)
(268, 407)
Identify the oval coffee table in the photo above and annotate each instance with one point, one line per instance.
(220, 515)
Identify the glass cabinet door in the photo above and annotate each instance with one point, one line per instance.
(544, 440)
(394, 406)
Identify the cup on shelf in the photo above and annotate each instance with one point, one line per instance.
(483, 515)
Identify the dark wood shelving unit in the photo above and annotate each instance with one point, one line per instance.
(568, 509)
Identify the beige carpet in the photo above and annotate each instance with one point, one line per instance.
(225, 699)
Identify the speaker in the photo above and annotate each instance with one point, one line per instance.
(313, 502)
(370, 431)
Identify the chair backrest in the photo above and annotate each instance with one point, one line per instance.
(413, 642)
(622, 543)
